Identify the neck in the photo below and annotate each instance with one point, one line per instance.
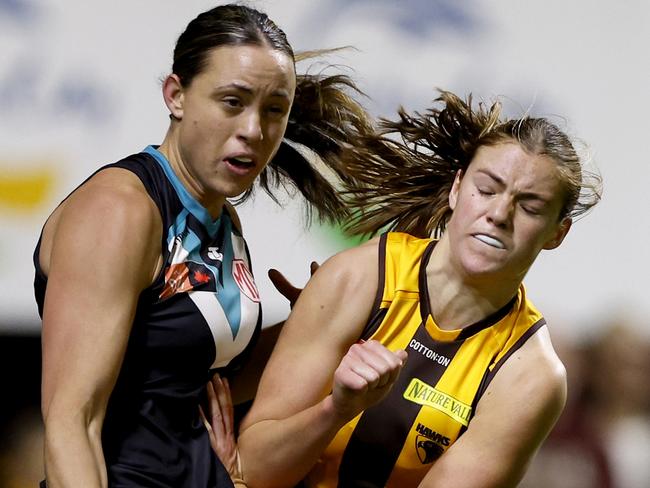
(170, 149)
(458, 300)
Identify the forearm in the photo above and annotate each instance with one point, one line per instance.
(74, 456)
(279, 453)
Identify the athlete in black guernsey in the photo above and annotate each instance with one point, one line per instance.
(200, 315)
(143, 278)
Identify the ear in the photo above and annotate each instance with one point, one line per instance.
(455, 188)
(173, 95)
(560, 234)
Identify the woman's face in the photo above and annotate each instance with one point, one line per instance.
(231, 120)
(506, 209)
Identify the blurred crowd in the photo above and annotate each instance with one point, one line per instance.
(602, 440)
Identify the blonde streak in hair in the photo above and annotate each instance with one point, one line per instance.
(525, 115)
(492, 118)
(529, 109)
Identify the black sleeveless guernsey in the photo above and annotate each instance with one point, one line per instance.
(201, 314)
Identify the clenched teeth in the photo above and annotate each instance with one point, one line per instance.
(490, 241)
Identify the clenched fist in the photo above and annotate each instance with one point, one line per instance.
(365, 376)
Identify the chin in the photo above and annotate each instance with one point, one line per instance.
(231, 190)
(480, 266)
(234, 193)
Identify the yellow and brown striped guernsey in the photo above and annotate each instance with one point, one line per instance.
(395, 442)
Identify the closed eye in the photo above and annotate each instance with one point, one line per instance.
(530, 211)
(533, 205)
(484, 191)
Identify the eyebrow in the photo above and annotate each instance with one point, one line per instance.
(526, 195)
(489, 173)
(247, 89)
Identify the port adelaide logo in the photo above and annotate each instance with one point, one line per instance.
(244, 279)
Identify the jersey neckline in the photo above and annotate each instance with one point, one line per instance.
(453, 334)
(188, 201)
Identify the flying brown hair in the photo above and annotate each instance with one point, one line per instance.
(399, 178)
(326, 118)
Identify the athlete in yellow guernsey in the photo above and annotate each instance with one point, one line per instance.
(395, 442)
(416, 361)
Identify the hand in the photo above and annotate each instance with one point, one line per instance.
(283, 285)
(221, 425)
(365, 376)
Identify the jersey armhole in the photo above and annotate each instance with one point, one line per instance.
(376, 313)
(489, 374)
(520, 342)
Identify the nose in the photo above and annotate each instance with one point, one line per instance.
(500, 211)
(250, 128)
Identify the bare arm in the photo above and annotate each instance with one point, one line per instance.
(512, 419)
(317, 378)
(247, 380)
(99, 252)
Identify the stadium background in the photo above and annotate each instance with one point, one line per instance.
(80, 87)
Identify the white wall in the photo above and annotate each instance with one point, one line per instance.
(79, 87)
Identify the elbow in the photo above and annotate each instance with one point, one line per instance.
(72, 450)
(257, 469)
(66, 425)
(247, 455)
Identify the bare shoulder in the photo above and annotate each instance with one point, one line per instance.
(352, 269)
(536, 363)
(337, 300)
(354, 265)
(532, 385)
(101, 248)
(112, 192)
(112, 210)
(119, 186)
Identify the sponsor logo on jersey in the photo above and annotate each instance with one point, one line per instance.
(429, 444)
(185, 277)
(244, 279)
(423, 394)
(429, 353)
(214, 254)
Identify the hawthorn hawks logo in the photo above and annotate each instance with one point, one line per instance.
(244, 279)
(428, 451)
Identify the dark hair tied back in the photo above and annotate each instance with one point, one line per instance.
(325, 121)
(324, 117)
(226, 25)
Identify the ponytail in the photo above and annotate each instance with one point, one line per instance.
(325, 120)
